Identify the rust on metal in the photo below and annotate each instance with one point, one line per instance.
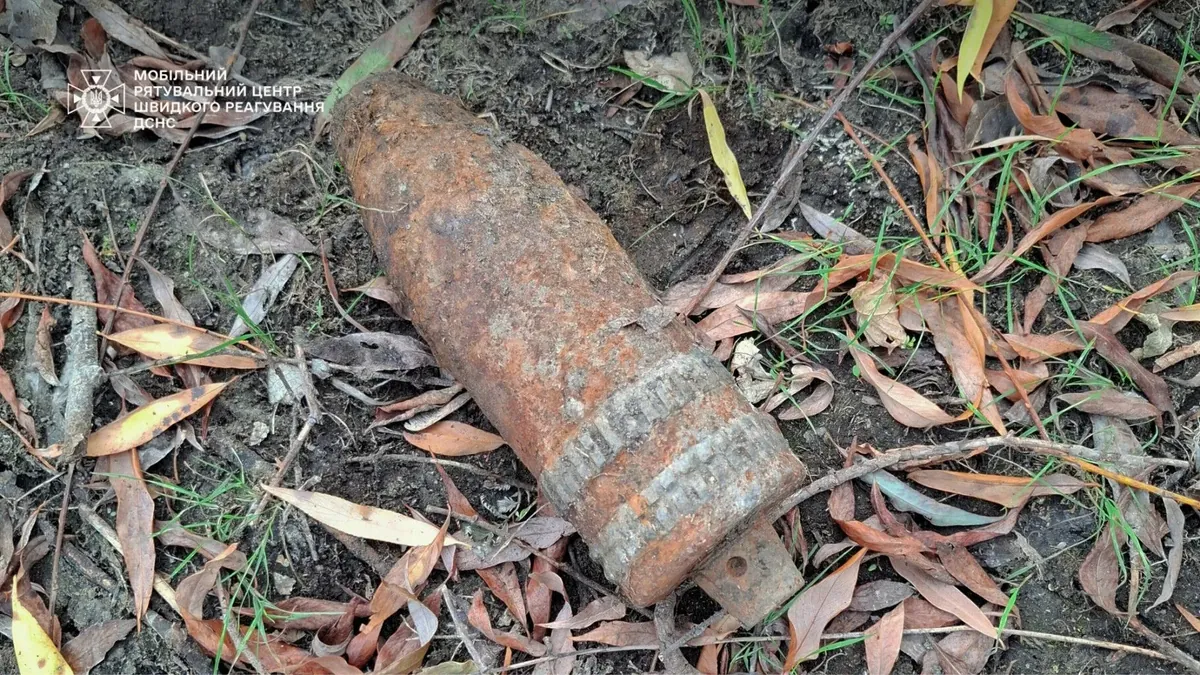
(637, 436)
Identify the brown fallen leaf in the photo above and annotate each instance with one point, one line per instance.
(1175, 523)
(1040, 347)
(732, 288)
(1107, 345)
(42, 353)
(150, 420)
(904, 403)
(506, 585)
(106, 290)
(1061, 249)
(1030, 377)
(963, 347)
(540, 587)
(876, 595)
(404, 651)
(816, 606)
(135, 526)
(1122, 116)
(18, 407)
(621, 634)
(964, 653)
(963, 566)
(9, 185)
(1120, 313)
(477, 616)
(607, 608)
(1100, 573)
(879, 541)
(775, 307)
(1125, 14)
(919, 614)
(88, 649)
(169, 341)
(883, 642)
(454, 439)
(358, 520)
(1007, 491)
(1142, 214)
(123, 28)
(1079, 144)
(455, 499)
(309, 614)
(1122, 404)
(1045, 228)
(943, 596)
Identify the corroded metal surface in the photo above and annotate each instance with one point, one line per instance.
(640, 438)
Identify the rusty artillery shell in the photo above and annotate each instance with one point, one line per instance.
(637, 436)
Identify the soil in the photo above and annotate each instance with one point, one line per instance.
(537, 72)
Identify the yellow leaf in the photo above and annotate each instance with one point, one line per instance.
(722, 156)
(36, 653)
(972, 40)
(167, 341)
(150, 420)
(357, 520)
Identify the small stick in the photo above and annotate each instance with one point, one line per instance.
(361, 550)
(926, 453)
(144, 225)
(1014, 632)
(793, 161)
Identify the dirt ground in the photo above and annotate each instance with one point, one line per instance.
(537, 73)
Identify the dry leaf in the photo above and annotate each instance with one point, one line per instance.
(43, 357)
(169, 341)
(123, 28)
(1007, 491)
(815, 608)
(1189, 617)
(1119, 314)
(722, 156)
(106, 290)
(505, 585)
(1175, 523)
(1040, 347)
(607, 608)
(263, 293)
(560, 645)
(1100, 573)
(454, 439)
(944, 596)
(1045, 228)
(35, 650)
(827, 226)
(877, 313)
(135, 526)
(1142, 214)
(621, 634)
(88, 649)
(672, 72)
(1124, 15)
(309, 614)
(919, 614)
(903, 402)
(357, 520)
(1125, 405)
(1121, 116)
(1108, 346)
(477, 616)
(1096, 257)
(877, 540)
(883, 642)
(374, 354)
(1079, 144)
(150, 420)
(19, 409)
(963, 566)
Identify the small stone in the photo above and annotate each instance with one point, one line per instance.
(258, 433)
(283, 584)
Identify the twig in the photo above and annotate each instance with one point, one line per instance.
(361, 550)
(664, 627)
(1013, 632)
(80, 375)
(928, 453)
(794, 160)
(1170, 651)
(449, 463)
(144, 225)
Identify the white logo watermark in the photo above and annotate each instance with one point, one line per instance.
(101, 94)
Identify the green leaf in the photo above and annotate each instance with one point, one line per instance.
(722, 156)
(380, 55)
(972, 40)
(905, 498)
(1067, 31)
